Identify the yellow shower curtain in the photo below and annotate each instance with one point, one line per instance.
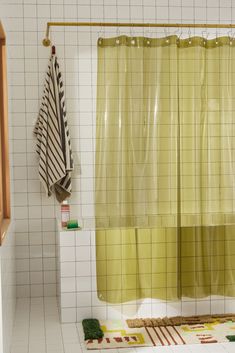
(165, 161)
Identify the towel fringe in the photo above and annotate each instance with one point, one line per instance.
(179, 320)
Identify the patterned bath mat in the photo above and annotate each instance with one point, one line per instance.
(118, 335)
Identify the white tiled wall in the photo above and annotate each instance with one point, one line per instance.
(7, 289)
(77, 288)
(25, 24)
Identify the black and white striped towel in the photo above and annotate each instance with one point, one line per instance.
(53, 140)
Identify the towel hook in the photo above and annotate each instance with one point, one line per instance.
(53, 51)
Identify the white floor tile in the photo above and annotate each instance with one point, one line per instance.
(37, 350)
(55, 348)
(19, 348)
(181, 349)
(228, 347)
(162, 349)
(216, 348)
(72, 348)
(70, 333)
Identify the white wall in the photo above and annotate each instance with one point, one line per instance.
(25, 23)
(7, 289)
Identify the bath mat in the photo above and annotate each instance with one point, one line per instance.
(118, 335)
(180, 320)
(206, 333)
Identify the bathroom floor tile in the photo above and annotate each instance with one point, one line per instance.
(37, 329)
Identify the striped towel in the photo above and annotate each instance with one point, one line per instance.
(53, 140)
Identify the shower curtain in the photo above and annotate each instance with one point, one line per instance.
(165, 168)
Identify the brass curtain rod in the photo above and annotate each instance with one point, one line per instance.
(46, 41)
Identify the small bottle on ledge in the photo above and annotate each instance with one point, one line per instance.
(65, 213)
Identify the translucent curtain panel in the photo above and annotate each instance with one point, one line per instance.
(165, 168)
(134, 264)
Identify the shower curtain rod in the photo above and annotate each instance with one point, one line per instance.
(46, 41)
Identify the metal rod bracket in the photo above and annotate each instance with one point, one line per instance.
(47, 42)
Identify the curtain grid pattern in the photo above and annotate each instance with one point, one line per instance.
(165, 168)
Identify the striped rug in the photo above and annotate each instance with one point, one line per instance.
(215, 332)
(165, 336)
(118, 335)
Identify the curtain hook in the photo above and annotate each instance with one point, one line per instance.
(177, 34)
(118, 31)
(216, 38)
(148, 35)
(177, 31)
(132, 34)
(149, 31)
(100, 35)
(166, 35)
(165, 32)
(181, 33)
(180, 30)
(204, 38)
(189, 36)
(101, 32)
(118, 34)
(230, 35)
(131, 30)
